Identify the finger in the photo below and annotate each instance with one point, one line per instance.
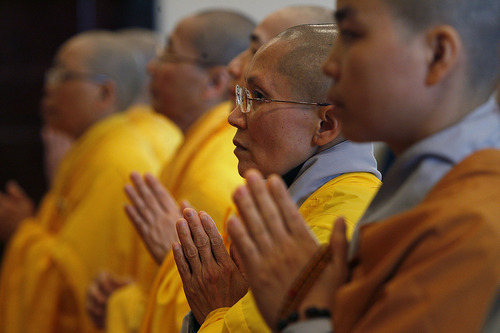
(15, 190)
(294, 222)
(235, 256)
(108, 283)
(188, 246)
(199, 236)
(266, 204)
(163, 196)
(185, 204)
(252, 218)
(95, 297)
(140, 206)
(137, 220)
(339, 247)
(216, 241)
(145, 192)
(245, 246)
(182, 264)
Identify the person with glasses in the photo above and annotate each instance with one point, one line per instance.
(167, 308)
(189, 86)
(419, 75)
(80, 227)
(160, 131)
(286, 127)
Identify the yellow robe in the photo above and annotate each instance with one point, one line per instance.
(205, 173)
(80, 229)
(162, 134)
(347, 195)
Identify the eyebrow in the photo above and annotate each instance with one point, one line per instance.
(343, 13)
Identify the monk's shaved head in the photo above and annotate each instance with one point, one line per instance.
(306, 48)
(288, 17)
(477, 22)
(106, 54)
(220, 35)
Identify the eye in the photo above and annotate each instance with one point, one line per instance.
(349, 35)
(258, 95)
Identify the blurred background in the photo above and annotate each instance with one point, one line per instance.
(30, 33)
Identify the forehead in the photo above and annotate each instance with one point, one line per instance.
(361, 10)
(263, 72)
(73, 54)
(182, 38)
(270, 27)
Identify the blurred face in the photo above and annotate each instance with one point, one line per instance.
(72, 99)
(378, 72)
(272, 137)
(177, 80)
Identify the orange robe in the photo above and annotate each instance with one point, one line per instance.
(433, 268)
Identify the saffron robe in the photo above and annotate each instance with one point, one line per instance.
(414, 271)
(79, 230)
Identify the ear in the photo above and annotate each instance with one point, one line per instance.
(107, 94)
(445, 48)
(329, 128)
(216, 84)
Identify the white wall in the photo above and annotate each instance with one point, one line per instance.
(168, 12)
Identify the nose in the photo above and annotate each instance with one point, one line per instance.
(234, 66)
(237, 118)
(331, 66)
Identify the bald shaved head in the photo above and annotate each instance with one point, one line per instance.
(107, 54)
(220, 35)
(306, 48)
(288, 17)
(477, 22)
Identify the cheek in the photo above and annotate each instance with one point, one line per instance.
(281, 144)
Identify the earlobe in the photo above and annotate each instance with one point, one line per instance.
(445, 47)
(329, 127)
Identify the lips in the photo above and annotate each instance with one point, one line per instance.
(238, 144)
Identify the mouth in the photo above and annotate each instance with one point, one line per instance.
(240, 148)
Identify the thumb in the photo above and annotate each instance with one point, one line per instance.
(339, 248)
(15, 190)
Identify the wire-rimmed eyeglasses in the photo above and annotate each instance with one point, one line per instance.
(244, 100)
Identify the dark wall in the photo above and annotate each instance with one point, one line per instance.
(30, 33)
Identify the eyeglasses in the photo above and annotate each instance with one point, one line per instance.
(163, 55)
(60, 74)
(244, 100)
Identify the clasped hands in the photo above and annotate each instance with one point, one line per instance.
(210, 276)
(270, 237)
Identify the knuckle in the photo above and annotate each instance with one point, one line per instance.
(191, 252)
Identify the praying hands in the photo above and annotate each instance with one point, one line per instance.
(275, 246)
(154, 212)
(210, 276)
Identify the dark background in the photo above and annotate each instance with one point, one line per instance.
(30, 33)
